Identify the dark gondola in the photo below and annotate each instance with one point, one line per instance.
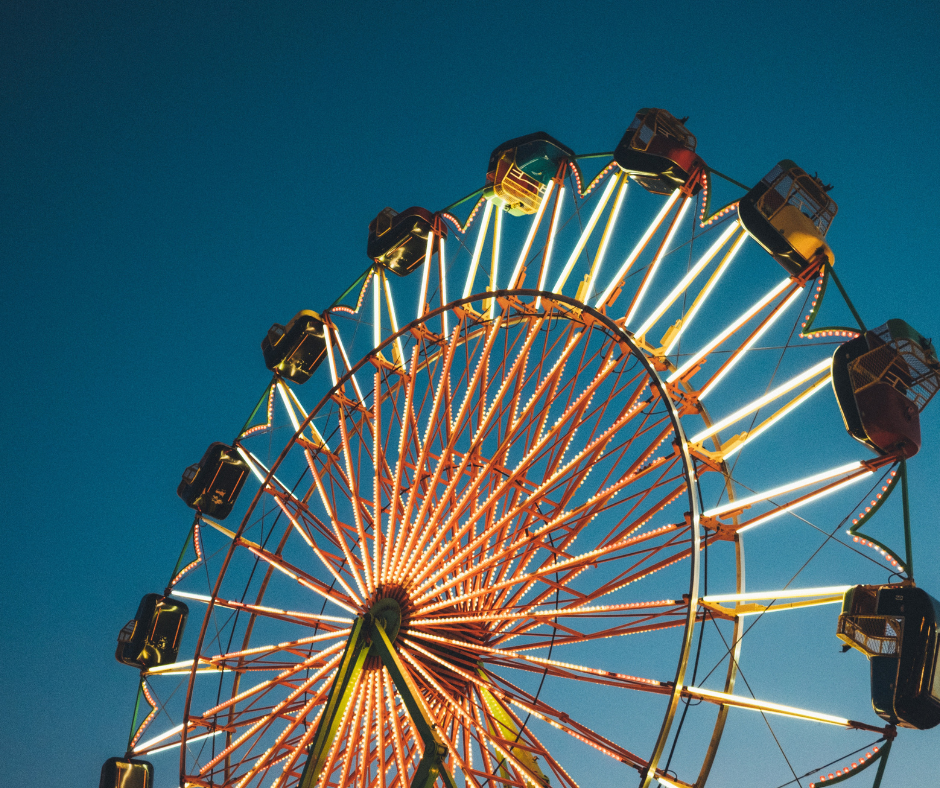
(520, 170)
(789, 214)
(153, 636)
(895, 626)
(126, 773)
(883, 379)
(659, 152)
(295, 351)
(399, 241)
(212, 485)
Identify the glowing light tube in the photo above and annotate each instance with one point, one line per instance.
(663, 250)
(423, 296)
(478, 249)
(836, 486)
(765, 425)
(140, 748)
(706, 291)
(605, 239)
(513, 280)
(727, 699)
(690, 363)
(494, 263)
(376, 309)
(442, 267)
(582, 241)
(758, 403)
(631, 258)
(553, 231)
(680, 288)
(792, 593)
(739, 353)
(819, 477)
(393, 318)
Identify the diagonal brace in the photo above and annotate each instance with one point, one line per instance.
(369, 636)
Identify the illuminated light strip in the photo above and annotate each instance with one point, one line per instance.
(727, 699)
(670, 782)
(197, 546)
(654, 266)
(423, 296)
(758, 403)
(582, 241)
(329, 352)
(878, 549)
(706, 291)
(233, 605)
(743, 502)
(394, 320)
(605, 239)
(691, 362)
(140, 749)
(160, 737)
(267, 424)
(250, 458)
(342, 350)
(793, 593)
(739, 353)
(553, 231)
(513, 280)
(637, 249)
(846, 770)
(687, 279)
(857, 477)
(478, 249)
(288, 406)
(765, 425)
(154, 709)
(298, 668)
(565, 611)
(320, 592)
(376, 309)
(494, 263)
(442, 268)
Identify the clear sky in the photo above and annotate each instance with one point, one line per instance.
(176, 176)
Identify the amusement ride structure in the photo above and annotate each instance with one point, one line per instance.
(486, 525)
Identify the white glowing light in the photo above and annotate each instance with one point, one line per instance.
(376, 309)
(739, 353)
(792, 593)
(680, 288)
(513, 280)
(478, 249)
(763, 705)
(553, 231)
(423, 296)
(663, 250)
(758, 403)
(582, 241)
(605, 240)
(637, 249)
(819, 385)
(691, 362)
(494, 264)
(743, 502)
(706, 291)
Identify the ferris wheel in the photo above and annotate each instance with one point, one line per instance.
(492, 508)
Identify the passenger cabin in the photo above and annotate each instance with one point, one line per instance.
(519, 171)
(882, 380)
(399, 241)
(294, 351)
(895, 626)
(659, 152)
(789, 214)
(153, 636)
(126, 773)
(212, 485)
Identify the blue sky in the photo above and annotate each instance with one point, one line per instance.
(178, 176)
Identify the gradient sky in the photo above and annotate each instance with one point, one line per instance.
(176, 176)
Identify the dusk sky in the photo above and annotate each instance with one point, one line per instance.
(178, 176)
